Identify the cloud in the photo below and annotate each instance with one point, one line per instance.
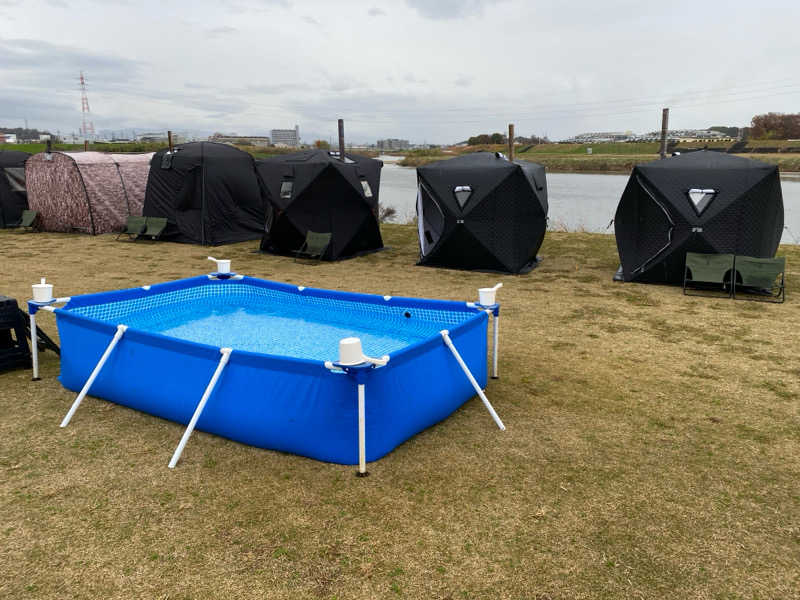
(37, 61)
(245, 6)
(463, 81)
(450, 9)
(220, 31)
(310, 20)
(376, 12)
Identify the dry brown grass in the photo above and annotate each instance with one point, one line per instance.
(652, 451)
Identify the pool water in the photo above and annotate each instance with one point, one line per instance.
(279, 329)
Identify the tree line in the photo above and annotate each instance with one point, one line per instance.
(500, 138)
(775, 126)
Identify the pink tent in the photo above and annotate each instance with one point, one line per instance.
(91, 192)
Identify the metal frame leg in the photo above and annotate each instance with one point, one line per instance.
(34, 349)
(362, 433)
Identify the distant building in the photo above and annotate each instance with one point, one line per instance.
(602, 136)
(8, 138)
(242, 140)
(159, 137)
(688, 135)
(286, 137)
(393, 144)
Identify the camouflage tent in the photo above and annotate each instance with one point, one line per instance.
(91, 192)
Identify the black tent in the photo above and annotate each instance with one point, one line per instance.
(13, 197)
(704, 202)
(482, 212)
(210, 193)
(316, 191)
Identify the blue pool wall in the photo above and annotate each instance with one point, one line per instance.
(286, 404)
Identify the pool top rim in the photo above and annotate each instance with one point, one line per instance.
(472, 312)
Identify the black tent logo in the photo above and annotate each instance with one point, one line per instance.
(701, 198)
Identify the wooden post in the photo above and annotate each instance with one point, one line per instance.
(341, 140)
(169, 141)
(49, 147)
(664, 127)
(85, 145)
(511, 142)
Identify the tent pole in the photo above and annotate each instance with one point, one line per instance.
(169, 141)
(664, 128)
(446, 337)
(85, 390)
(341, 140)
(226, 354)
(511, 142)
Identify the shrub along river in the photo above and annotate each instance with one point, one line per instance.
(578, 201)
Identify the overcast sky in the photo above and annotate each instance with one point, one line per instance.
(435, 71)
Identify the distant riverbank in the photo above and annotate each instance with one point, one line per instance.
(603, 163)
(616, 157)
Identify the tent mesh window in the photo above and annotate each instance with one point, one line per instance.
(701, 198)
(286, 189)
(366, 188)
(462, 194)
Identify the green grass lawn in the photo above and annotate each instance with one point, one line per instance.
(652, 451)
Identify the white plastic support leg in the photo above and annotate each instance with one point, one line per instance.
(495, 342)
(34, 347)
(446, 337)
(362, 434)
(226, 354)
(86, 386)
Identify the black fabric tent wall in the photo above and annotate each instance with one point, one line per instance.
(657, 221)
(209, 192)
(315, 191)
(13, 197)
(481, 212)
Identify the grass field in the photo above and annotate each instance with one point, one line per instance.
(652, 451)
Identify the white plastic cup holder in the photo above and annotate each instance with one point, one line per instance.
(350, 351)
(486, 296)
(223, 266)
(42, 292)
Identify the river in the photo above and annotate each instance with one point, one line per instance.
(578, 201)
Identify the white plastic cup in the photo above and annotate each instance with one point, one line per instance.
(223, 266)
(42, 292)
(486, 296)
(350, 351)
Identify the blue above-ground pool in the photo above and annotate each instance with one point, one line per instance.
(276, 391)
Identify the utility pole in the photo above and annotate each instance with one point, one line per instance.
(511, 142)
(341, 140)
(664, 127)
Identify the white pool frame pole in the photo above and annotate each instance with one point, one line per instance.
(446, 337)
(362, 433)
(34, 348)
(226, 354)
(496, 324)
(86, 386)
